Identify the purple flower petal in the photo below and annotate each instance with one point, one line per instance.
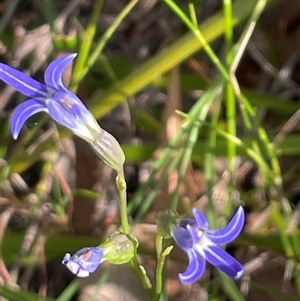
(188, 221)
(93, 257)
(54, 72)
(231, 231)
(22, 113)
(183, 238)
(195, 268)
(74, 266)
(201, 219)
(195, 233)
(84, 261)
(23, 83)
(73, 104)
(64, 107)
(222, 260)
(64, 115)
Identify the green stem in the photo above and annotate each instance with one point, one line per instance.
(166, 162)
(186, 158)
(228, 14)
(184, 47)
(230, 93)
(231, 126)
(138, 270)
(121, 185)
(198, 33)
(86, 44)
(159, 266)
(7, 13)
(50, 13)
(102, 42)
(141, 275)
(209, 163)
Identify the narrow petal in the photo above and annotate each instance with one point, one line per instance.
(201, 219)
(54, 72)
(231, 231)
(22, 113)
(195, 268)
(183, 238)
(222, 260)
(22, 82)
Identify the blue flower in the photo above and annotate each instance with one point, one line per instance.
(118, 248)
(201, 244)
(63, 106)
(84, 261)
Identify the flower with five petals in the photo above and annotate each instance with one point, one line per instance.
(63, 106)
(202, 244)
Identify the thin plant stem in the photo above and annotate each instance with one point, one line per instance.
(193, 135)
(50, 13)
(121, 186)
(209, 163)
(230, 93)
(102, 42)
(134, 264)
(8, 12)
(197, 113)
(86, 44)
(159, 266)
(195, 29)
(184, 47)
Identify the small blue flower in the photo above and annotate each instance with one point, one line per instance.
(201, 244)
(84, 261)
(63, 106)
(118, 248)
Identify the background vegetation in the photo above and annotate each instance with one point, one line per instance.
(204, 99)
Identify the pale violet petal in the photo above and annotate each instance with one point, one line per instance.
(76, 269)
(24, 111)
(74, 266)
(91, 258)
(84, 261)
(231, 231)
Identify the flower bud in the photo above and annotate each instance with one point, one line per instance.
(165, 221)
(119, 248)
(109, 150)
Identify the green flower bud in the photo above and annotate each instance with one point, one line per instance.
(109, 150)
(165, 221)
(119, 248)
